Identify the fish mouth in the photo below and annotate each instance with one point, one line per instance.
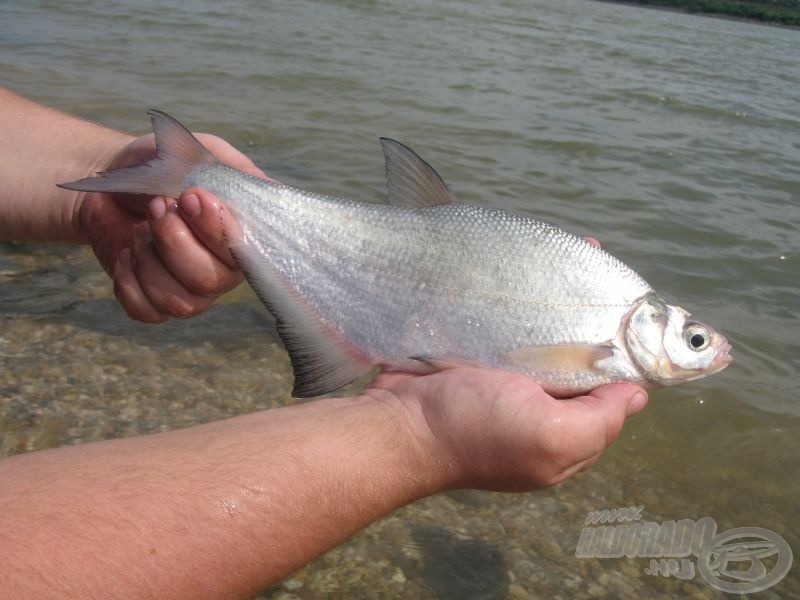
(723, 357)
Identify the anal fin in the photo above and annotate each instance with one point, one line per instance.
(321, 360)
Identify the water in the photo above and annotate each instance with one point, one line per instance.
(671, 138)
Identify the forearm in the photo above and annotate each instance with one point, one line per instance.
(216, 511)
(43, 147)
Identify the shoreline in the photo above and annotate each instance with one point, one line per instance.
(713, 15)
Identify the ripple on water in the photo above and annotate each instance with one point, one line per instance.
(672, 138)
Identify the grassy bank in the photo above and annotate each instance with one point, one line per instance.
(778, 12)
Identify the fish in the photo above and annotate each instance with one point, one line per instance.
(427, 283)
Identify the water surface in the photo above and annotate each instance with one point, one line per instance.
(671, 138)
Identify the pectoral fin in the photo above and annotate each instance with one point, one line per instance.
(561, 358)
(443, 364)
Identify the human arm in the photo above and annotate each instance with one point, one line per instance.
(225, 509)
(164, 261)
(38, 139)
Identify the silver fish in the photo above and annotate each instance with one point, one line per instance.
(427, 283)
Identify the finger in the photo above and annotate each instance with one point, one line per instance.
(579, 467)
(130, 294)
(596, 420)
(163, 291)
(105, 224)
(190, 261)
(628, 395)
(585, 465)
(211, 222)
(592, 241)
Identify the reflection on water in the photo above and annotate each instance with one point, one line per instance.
(673, 139)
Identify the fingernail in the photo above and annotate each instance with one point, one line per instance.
(142, 233)
(125, 257)
(637, 403)
(190, 204)
(157, 208)
(127, 260)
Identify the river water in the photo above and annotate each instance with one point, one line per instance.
(671, 138)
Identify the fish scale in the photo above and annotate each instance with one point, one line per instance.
(427, 283)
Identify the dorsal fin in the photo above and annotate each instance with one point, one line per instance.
(412, 181)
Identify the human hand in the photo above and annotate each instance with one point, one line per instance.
(166, 259)
(496, 430)
(501, 431)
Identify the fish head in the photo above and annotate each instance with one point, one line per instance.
(671, 346)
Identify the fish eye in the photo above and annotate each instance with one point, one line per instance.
(697, 337)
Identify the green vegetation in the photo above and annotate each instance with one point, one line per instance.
(780, 12)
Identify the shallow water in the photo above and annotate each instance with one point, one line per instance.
(671, 138)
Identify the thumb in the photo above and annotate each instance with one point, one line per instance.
(632, 397)
(210, 221)
(599, 416)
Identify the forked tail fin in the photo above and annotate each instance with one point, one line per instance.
(178, 152)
